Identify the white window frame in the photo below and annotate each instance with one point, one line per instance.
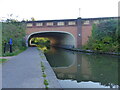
(39, 24)
(49, 23)
(60, 23)
(86, 22)
(29, 24)
(71, 23)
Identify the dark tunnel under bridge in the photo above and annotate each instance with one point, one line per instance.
(59, 39)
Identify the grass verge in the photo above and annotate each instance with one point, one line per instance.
(14, 53)
(3, 60)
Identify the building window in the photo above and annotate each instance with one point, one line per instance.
(49, 24)
(71, 23)
(60, 23)
(86, 22)
(39, 24)
(29, 24)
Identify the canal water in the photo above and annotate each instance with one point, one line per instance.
(83, 70)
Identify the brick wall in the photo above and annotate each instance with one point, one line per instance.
(69, 29)
(86, 33)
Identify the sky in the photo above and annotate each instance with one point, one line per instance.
(58, 9)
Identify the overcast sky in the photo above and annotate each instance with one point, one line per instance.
(58, 9)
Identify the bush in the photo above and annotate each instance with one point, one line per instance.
(104, 37)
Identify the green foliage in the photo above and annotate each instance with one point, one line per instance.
(40, 41)
(46, 87)
(44, 75)
(105, 28)
(43, 67)
(104, 37)
(3, 60)
(15, 52)
(46, 82)
(0, 39)
(118, 33)
(32, 18)
(16, 31)
(43, 48)
(42, 64)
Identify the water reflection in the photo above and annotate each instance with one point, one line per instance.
(43, 48)
(79, 70)
(60, 60)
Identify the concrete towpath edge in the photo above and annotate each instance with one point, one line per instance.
(51, 77)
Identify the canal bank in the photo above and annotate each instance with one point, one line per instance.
(50, 75)
(92, 51)
(24, 71)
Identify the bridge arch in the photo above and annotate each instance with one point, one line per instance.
(57, 38)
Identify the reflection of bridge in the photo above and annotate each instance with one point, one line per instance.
(85, 69)
(65, 33)
(80, 68)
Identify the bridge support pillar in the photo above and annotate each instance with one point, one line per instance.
(79, 33)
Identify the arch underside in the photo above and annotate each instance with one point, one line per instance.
(59, 39)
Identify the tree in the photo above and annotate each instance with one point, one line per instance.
(104, 29)
(32, 18)
(16, 31)
(105, 36)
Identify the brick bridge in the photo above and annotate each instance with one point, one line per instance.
(68, 33)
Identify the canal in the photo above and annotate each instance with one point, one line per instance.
(83, 70)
